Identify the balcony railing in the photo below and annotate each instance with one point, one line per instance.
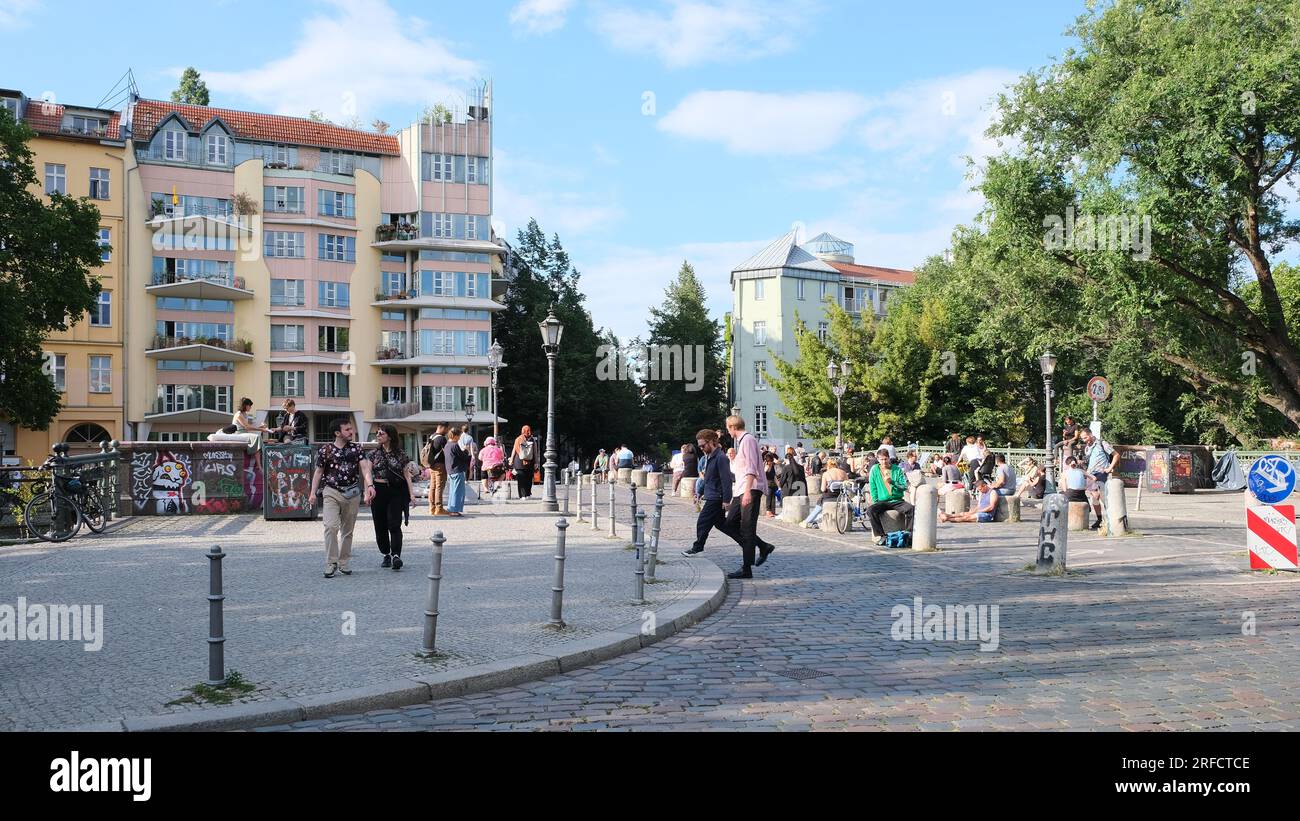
(161, 405)
(384, 296)
(161, 342)
(396, 410)
(171, 278)
(386, 352)
(389, 232)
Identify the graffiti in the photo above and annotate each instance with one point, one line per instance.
(288, 481)
(158, 482)
(225, 495)
(253, 480)
(1052, 533)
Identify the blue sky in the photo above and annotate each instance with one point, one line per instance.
(851, 117)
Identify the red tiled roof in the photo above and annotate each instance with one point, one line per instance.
(269, 128)
(47, 118)
(898, 275)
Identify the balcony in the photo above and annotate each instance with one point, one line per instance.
(192, 404)
(200, 349)
(177, 218)
(384, 296)
(396, 410)
(386, 353)
(394, 357)
(197, 286)
(403, 231)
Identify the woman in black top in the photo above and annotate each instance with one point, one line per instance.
(391, 468)
(793, 480)
(769, 468)
(690, 463)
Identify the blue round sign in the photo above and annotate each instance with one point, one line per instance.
(1271, 479)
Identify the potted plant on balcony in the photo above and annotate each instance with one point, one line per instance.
(243, 204)
(156, 207)
(385, 232)
(243, 345)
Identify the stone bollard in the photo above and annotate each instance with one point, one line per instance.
(595, 511)
(613, 520)
(815, 485)
(956, 501)
(640, 478)
(1008, 509)
(581, 480)
(1078, 515)
(557, 587)
(431, 600)
(1052, 533)
(654, 481)
(686, 489)
(656, 522)
(891, 521)
(640, 560)
(625, 476)
(216, 620)
(794, 509)
(1116, 508)
(925, 525)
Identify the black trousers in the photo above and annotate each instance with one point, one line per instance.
(771, 499)
(525, 480)
(387, 510)
(711, 515)
(742, 524)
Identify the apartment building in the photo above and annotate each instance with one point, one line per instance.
(768, 290)
(79, 151)
(277, 257)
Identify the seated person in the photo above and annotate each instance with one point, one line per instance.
(835, 473)
(1035, 481)
(951, 474)
(1078, 485)
(1004, 476)
(911, 462)
(888, 484)
(242, 427)
(986, 506)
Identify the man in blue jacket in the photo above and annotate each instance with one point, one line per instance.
(715, 480)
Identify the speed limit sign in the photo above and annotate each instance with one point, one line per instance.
(1098, 389)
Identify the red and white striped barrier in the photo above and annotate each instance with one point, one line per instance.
(1271, 537)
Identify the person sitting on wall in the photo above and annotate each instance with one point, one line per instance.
(242, 427)
(290, 426)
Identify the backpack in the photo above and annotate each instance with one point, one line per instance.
(526, 451)
(428, 458)
(899, 538)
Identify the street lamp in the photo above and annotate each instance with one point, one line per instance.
(552, 329)
(470, 408)
(838, 375)
(494, 362)
(1047, 363)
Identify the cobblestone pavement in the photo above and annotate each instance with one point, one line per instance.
(284, 622)
(1146, 633)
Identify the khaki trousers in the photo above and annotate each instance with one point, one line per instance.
(340, 517)
(437, 488)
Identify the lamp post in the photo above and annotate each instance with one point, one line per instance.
(552, 329)
(838, 375)
(494, 362)
(1047, 363)
(470, 408)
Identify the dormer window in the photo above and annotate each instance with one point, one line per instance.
(79, 124)
(174, 145)
(217, 144)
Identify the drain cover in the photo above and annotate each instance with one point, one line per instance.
(802, 673)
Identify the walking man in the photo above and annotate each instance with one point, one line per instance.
(348, 482)
(747, 483)
(716, 477)
(431, 457)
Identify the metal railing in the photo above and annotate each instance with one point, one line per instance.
(388, 233)
(396, 410)
(161, 342)
(171, 278)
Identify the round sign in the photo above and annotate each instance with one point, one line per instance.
(1271, 479)
(1098, 389)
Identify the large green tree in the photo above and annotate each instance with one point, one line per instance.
(46, 282)
(192, 89)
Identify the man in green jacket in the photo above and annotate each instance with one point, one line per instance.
(887, 484)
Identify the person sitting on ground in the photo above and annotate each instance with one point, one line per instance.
(1004, 476)
(986, 506)
(835, 473)
(888, 484)
(1035, 481)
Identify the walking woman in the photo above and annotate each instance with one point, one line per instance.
(457, 468)
(392, 469)
(523, 461)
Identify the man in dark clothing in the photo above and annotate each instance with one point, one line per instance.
(716, 473)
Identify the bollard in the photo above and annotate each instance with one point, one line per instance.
(613, 519)
(557, 588)
(595, 511)
(431, 602)
(1116, 511)
(655, 523)
(1078, 515)
(1053, 533)
(633, 489)
(216, 620)
(1142, 480)
(564, 510)
(640, 563)
(581, 515)
(925, 524)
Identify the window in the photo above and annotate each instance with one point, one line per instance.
(437, 343)
(286, 292)
(332, 294)
(88, 125)
(758, 289)
(101, 374)
(760, 421)
(826, 286)
(331, 339)
(286, 383)
(437, 398)
(760, 334)
(823, 330)
(58, 364)
(56, 178)
(471, 228)
(102, 315)
(393, 339)
(99, 183)
(174, 145)
(105, 244)
(399, 316)
(798, 288)
(10, 103)
(282, 199)
(760, 376)
(337, 204)
(392, 395)
(437, 283)
(392, 282)
(333, 385)
(441, 166)
(286, 337)
(442, 226)
(471, 169)
(884, 294)
(284, 244)
(336, 248)
(217, 149)
(471, 284)
(336, 162)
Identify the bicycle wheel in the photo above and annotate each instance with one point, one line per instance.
(843, 514)
(92, 513)
(52, 518)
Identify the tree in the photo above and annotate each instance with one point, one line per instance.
(318, 116)
(436, 113)
(380, 127)
(192, 89)
(46, 253)
(675, 408)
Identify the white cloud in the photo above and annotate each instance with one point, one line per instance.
(14, 13)
(356, 60)
(691, 32)
(752, 122)
(540, 16)
(558, 198)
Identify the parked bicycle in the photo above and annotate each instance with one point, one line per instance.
(57, 514)
(852, 504)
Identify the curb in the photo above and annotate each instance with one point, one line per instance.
(702, 601)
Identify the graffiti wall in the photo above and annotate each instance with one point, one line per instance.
(179, 479)
(288, 482)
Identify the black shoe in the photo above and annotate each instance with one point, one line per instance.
(764, 551)
(742, 573)
(1095, 525)
(397, 562)
(331, 570)
(388, 561)
(345, 571)
(694, 551)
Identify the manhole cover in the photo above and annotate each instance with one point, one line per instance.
(802, 673)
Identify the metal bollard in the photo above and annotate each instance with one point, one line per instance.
(557, 588)
(636, 533)
(431, 602)
(216, 620)
(640, 563)
(612, 517)
(655, 524)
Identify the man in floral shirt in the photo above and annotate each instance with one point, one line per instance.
(339, 464)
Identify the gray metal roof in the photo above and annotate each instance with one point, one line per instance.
(783, 253)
